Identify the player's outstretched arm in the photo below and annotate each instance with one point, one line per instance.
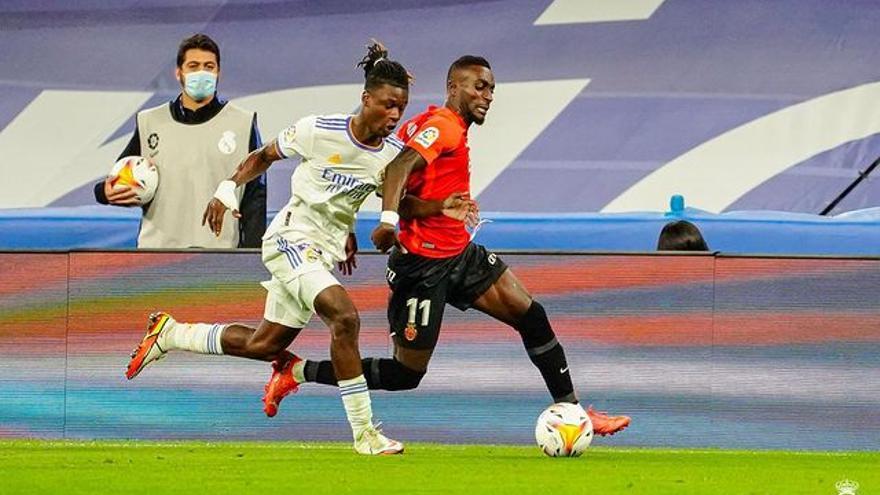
(413, 207)
(396, 173)
(254, 165)
(385, 235)
(457, 205)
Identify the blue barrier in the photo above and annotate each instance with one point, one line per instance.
(852, 233)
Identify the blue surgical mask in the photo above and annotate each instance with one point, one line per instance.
(200, 85)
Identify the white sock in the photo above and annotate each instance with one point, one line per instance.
(356, 399)
(203, 338)
(298, 370)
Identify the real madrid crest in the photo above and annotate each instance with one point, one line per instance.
(227, 143)
(311, 255)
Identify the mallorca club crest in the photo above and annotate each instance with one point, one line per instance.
(411, 332)
(846, 487)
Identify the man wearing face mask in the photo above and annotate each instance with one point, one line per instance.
(195, 141)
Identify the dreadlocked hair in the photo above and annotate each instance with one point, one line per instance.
(467, 61)
(379, 70)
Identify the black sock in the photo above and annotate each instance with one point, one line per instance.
(554, 370)
(381, 374)
(546, 353)
(320, 372)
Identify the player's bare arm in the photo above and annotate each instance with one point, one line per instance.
(457, 205)
(385, 235)
(256, 163)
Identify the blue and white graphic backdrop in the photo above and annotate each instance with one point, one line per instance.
(601, 105)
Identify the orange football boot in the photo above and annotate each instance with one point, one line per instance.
(280, 385)
(603, 424)
(148, 350)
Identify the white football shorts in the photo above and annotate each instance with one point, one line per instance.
(299, 273)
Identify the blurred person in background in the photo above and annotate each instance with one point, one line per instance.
(195, 141)
(681, 235)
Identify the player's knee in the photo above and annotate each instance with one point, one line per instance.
(534, 326)
(402, 377)
(345, 326)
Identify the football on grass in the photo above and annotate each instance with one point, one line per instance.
(564, 430)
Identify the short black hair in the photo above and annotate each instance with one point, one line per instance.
(379, 70)
(466, 61)
(681, 235)
(197, 41)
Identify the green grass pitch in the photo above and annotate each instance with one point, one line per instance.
(288, 468)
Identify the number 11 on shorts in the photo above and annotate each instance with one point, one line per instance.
(414, 305)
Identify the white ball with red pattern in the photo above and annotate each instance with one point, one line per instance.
(137, 173)
(564, 430)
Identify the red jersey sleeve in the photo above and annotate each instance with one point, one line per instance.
(434, 136)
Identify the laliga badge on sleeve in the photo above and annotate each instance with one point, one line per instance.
(288, 135)
(427, 137)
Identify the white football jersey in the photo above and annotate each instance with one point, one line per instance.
(336, 175)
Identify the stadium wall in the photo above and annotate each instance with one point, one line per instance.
(701, 350)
